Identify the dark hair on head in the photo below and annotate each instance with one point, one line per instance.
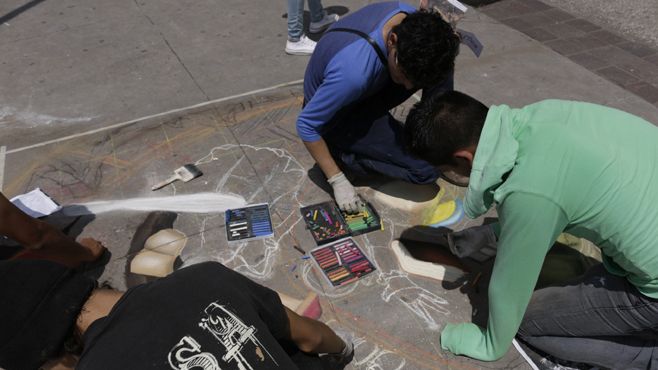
(427, 47)
(440, 125)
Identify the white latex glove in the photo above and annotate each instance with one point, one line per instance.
(346, 197)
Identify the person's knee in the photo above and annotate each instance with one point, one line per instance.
(423, 175)
(524, 330)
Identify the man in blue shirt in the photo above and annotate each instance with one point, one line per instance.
(366, 64)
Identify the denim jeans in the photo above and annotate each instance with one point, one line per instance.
(296, 16)
(366, 138)
(599, 319)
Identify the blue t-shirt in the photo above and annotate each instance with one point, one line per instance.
(345, 68)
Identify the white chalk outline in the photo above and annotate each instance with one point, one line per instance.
(136, 120)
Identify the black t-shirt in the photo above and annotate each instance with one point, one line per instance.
(205, 316)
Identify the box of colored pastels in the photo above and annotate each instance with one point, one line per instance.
(342, 262)
(328, 223)
(249, 222)
(325, 222)
(365, 221)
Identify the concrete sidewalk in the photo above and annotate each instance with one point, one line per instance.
(100, 99)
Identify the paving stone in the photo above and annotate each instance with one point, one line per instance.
(617, 76)
(539, 19)
(565, 31)
(589, 61)
(608, 36)
(558, 15)
(497, 11)
(644, 90)
(537, 5)
(588, 42)
(564, 47)
(642, 69)
(517, 23)
(614, 55)
(637, 49)
(517, 8)
(583, 25)
(652, 58)
(540, 34)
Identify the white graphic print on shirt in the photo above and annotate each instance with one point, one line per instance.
(229, 331)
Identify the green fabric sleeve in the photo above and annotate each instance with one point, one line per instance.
(529, 225)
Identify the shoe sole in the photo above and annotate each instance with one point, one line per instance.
(321, 29)
(456, 182)
(298, 52)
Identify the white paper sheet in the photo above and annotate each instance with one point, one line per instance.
(36, 203)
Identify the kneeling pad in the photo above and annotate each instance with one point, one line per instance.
(159, 254)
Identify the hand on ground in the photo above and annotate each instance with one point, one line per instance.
(95, 247)
(346, 197)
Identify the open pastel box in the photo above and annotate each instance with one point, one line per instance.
(327, 223)
(342, 262)
(253, 221)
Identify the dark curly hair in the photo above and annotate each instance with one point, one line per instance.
(440, 125)
(427, 47)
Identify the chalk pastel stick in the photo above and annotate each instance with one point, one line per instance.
(360, 266)
(320, 257)
(340, 275)
(348, 281)
(322, 252)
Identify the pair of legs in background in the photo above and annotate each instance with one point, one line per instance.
(296, 16)
(298, 43)
(366, 138)
(599, 319)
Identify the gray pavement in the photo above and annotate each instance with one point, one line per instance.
(630, 64)
(635, 19)
(71, 67)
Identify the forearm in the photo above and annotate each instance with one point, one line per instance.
(25, 230)
(529, 226)
(51, 243)
(320, 153)
(313, 336)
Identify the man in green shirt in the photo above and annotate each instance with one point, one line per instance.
(551, 167)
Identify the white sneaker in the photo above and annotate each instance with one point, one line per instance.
(304, 46)
(322, 24)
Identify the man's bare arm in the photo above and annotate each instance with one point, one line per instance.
(51, 243)
(312, 336)
(320, 153)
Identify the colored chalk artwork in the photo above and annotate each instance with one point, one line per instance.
(327, 223)
(342, 262)
(249, 222)
(445, 214)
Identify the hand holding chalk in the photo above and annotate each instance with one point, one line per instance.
(346, 197)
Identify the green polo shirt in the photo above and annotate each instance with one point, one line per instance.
(557, 166)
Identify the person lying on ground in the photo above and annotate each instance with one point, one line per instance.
(205, 316)
(551, 167)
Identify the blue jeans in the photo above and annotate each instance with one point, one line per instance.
(296, 16)
(600, 319)
(366, 138)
